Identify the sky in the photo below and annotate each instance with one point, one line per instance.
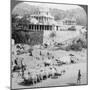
(58, 6)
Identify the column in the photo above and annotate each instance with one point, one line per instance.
(46, 27)
(49, 27)
(38, 27)
(43, 27)
(34, 27)
(30, 27)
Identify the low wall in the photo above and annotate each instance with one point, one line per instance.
(60, 35)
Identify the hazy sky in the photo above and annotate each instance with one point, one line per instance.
(58, 6)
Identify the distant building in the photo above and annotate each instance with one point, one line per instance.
(69, 21)
(66, 23)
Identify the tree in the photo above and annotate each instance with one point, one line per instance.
(24, 22)
(19, 23)
(52, 36)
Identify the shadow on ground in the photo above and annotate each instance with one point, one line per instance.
(72, 84)
(25, 84)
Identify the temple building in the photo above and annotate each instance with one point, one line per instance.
(42, 21)
(41, 26)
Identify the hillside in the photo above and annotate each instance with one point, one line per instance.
(80, 15)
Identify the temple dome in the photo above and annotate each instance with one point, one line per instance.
(33, 21)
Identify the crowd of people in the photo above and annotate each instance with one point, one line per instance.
(47, 66)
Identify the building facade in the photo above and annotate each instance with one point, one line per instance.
(42, 21)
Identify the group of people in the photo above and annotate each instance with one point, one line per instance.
(21, 66)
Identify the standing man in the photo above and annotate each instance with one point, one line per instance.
(79, 77)
(23, 67)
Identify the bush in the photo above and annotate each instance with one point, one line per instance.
(72, 28)
(76, 45)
